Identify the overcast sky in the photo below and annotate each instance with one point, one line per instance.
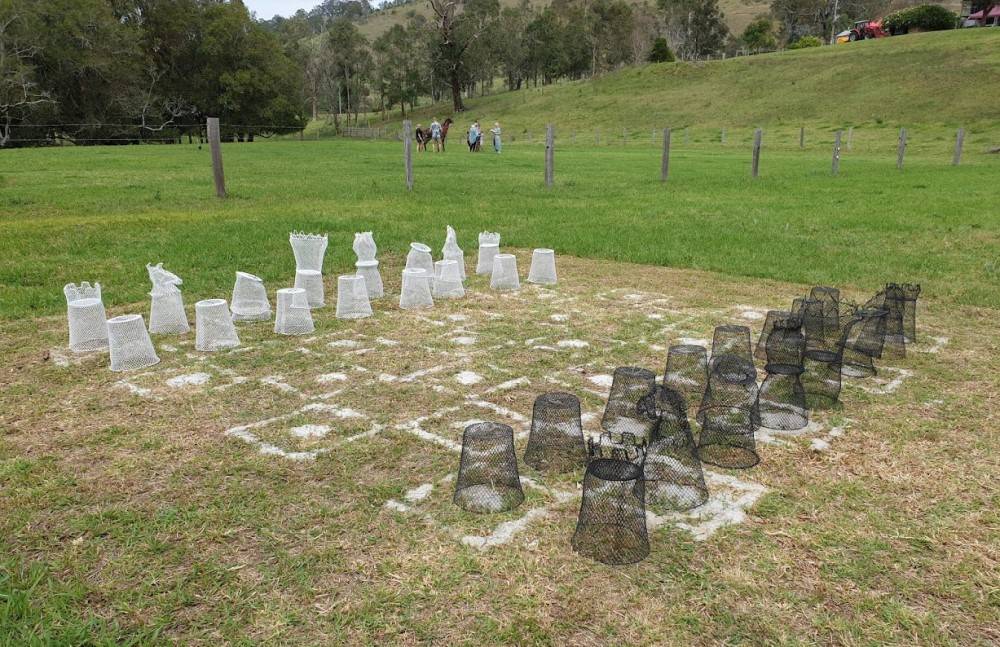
(266, 9)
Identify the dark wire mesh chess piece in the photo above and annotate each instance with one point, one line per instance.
(687, 372)
(611, 526)
(488, 480)
(759, 351)
(864, 343)
(556, 440)
(729, 415)
(622, 415)
(782, 399)
(900, 300)
(732, 340)
(672, 469)
(822, 374)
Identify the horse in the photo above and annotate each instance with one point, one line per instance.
(422, 136)
(444, 131)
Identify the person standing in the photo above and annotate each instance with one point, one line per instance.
(497, 144)
(436, 135)
(473, 137)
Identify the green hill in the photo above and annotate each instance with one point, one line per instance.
(935, 79)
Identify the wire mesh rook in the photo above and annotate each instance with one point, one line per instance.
(556, 440)
(611, 526)
(488, 480)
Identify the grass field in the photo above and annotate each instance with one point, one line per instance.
(297, 490)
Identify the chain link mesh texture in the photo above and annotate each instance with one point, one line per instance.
(672, 469)
(416, 290)
(729, 415)
(130, 346)
(86, 318)
(782, 399)
(452, 252)
(622, 414)
(543, 267)
(448, 280)
(352, 297)
(611, 525)
(489, 246)
(312, 282)
(213, 326)
(556, 442)
(488, 480)
(504, 275)
(308, 249)
(293, 315)
(368, 270)
(687, 372)
(249, 301)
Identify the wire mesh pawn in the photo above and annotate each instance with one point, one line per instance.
(448, 280)
(293, 315)
(622, 414)
(672, 469)
(309, 250)
(556, 442)
(352, 297)
(687, 372)
(416, 290)
(489, 246)
(729, 415)
(611, 524)
(488, 480)
(373, 278)
(250, 302)
(312, 282)
(213, 326)
(130, 346)
(504, 275)
(543, 267)
(86, 317)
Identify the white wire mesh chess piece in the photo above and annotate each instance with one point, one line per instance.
(452, 252)
(364, 246)
(448, 280)
(250, 301)
(419, 257)
(166, 310)
(160, 277)
(416, 290)
(308, 249)
(543, 267)
(293, 316)
(88, 323)
(213, 326)
(312, 282)
(504, 276)
(373, 278)
(130, 345)
(352, 297)
(489, 246)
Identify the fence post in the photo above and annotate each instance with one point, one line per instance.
(836, 154)
(959, 140)
(665, 163)
(549, 155)
(408, 153)
(802, 137)
(850, 136)
(755, 166)
(901, 150)
(214, 142)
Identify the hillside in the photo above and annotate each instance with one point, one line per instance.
(940, 78)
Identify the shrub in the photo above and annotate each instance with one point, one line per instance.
(926, 17)
(806, 41)
(661, 52)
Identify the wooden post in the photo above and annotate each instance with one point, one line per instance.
(901, 150)
(215, 143)
(755, 166)
(549, 154)
(408, 152)
(802, 137)
(836, 154)
(959, 140)
(665, 163)
(850, 136)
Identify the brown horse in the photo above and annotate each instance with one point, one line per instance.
(444, 131)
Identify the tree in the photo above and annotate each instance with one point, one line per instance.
(759, 36)
(456, 32)
(350, 62)
(20, 95)
(696, 27)
(661, 52)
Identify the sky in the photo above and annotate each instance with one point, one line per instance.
(265, 9)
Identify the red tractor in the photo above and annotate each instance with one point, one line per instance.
(864, 29)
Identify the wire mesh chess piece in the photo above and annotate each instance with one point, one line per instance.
(672, 469)
(900, 300)
(293, 315)
(419, 257)
(864, 343)
(823, 369)
(556, 443)
(88, 322)
(782, 399)
(622, 413)
(364, 246)
(611, 525)
(213, 326)
(543, 267)
(448, 280)
(732, 340)
(821, 320)
(250, 302)
(130, 346)
(452, 252)
(759, 350)
(312, 282)
(489, 246)
(309, 250)
(416, 290)
(368, 270)
(504, 274)
(166, 310)
(729, 414)
(488, 480)
(687, 372)
(352, 297)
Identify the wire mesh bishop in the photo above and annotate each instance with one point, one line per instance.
(250, 302)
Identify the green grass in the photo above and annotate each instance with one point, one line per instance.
(101, 213)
